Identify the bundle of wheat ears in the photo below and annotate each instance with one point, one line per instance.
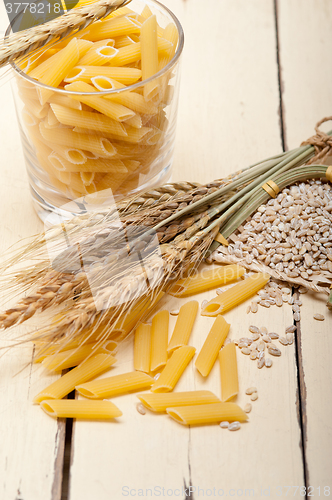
(100, 273)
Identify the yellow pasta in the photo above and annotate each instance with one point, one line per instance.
(159, 340)
(92, 410)
(68, 155)
(149, 55)
(114, 386)
(171, 34)
(158, 402)
(114, 27)
(173, 370)
(88, 120)
(123, 41)
(142, 348)
(99, 145)
(207, 414)
(184, 325)
(125, 75)
(98, 56)
(100, 165)
(67, 383)
(72, 357)
(206, 279)
(44, 350)
(235, 295)
(212, 345)
(132, 52)
(112, 109)
(64, 100)
(228, 372)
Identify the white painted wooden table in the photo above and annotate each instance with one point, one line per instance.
(256, 78)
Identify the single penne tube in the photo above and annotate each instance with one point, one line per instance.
(142, 348)
(113, 27)
(158, 402)
(149, 55)
(127, 76)
(51, 120)
(228, 372)
(110, 182)
(111, 109)
(65, 60)
(100, 165)
(173, 370)
(107, 42)
(123, 41)
(37, 109)
(132, 53)
(98, 56)
(64, 100)
(135, 121)
(206, 279)
(88, 120)
(87, 178)
(88, 410)
(67, 383)
(101, 146)
(159, 340)
(72, 357)
(207, 413)
(172, 35)
(44, 350)
(235, 295)
(69, 155)
(114, 386)
(212, 345)
(183, 326)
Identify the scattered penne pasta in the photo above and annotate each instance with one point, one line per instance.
(158, 402)
(173, 370)
(207, 414)
(212, 345)
(207, 279)
(68, 408)
(142, 348)
(228, 372)
(159, 340)
(73, 357)
(235, 295)
(183, 326)
(114, 386)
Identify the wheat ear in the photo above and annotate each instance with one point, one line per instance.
(19, 44)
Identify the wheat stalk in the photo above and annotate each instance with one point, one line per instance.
(20, 44)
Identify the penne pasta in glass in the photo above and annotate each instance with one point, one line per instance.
(212, 345)
(159, 340)
(149, 55)
(228, 372)
(235, 295)
(207, 279)
(88, 410)
(174, 368)
(142, 348)
(116, 385)
(67, 383)
(206, 414)
(98, 56)
(158, 402)
(127, 76)
(117, 26)
(183, 326)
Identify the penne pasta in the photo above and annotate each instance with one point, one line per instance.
(123, 41)
(72, 357)
(158, 402)
(149, 55)
(132, 53)
(228, 372)
(159, 340)
(64, 100)
(114, 386)
(44, 350)
(126, 76)
(92, 410)
(98, 56)
(173, 370)
(88, 120)
(67, 155)
(235, 295)
(207, 414)
(100, 165)
(183, 326)
(96, 144)
(171, 34)
(206, 279)
(142, 348)
(67, 383)
(111, 109)
(212, 345)
(117, 26)
(135, 121)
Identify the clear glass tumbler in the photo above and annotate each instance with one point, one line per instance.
(82, 149)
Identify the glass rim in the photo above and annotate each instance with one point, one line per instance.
(131, 87)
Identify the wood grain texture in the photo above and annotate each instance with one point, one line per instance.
(307, 98)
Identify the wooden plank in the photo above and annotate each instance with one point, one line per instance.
(228, 117)
(305, 37)
(31, 450)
